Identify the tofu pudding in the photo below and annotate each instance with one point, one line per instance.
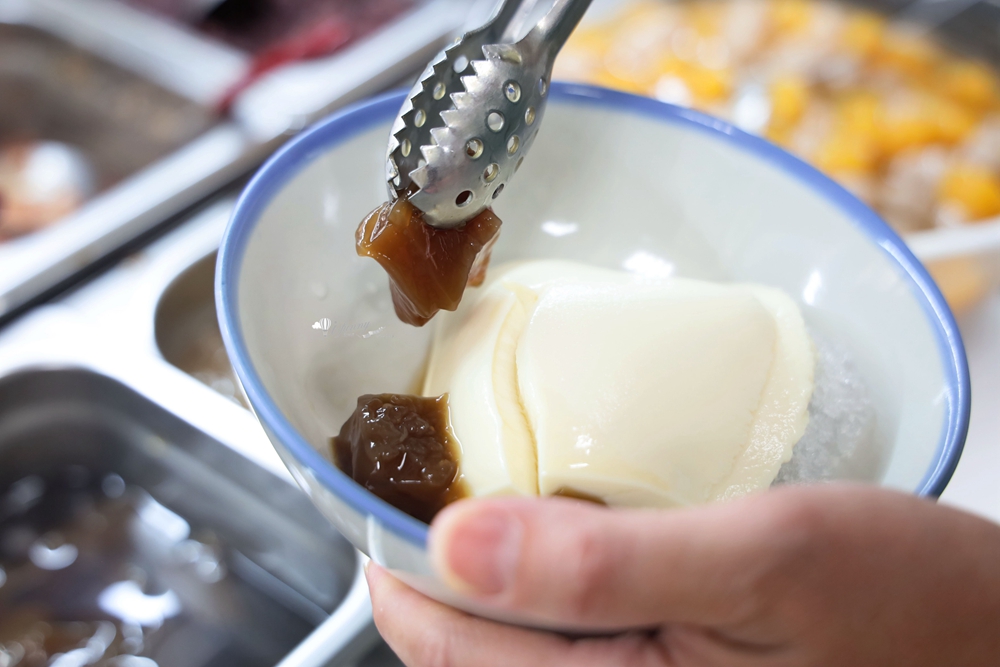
(560, 378)
(567, 378)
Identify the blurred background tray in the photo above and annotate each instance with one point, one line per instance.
(137, 100)
(898, 101)
(123, 526)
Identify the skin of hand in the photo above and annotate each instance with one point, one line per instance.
(838, 574)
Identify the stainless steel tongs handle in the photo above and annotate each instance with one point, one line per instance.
(556, 26)
(552, 30)
(472, 117)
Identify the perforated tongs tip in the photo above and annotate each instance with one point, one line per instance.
(467, 124)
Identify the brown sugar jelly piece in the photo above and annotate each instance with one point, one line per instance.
(428, 268)
(400, 448)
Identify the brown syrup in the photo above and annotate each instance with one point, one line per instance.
(127, 588)
(400, 448)
(573, 494)
(428, 268)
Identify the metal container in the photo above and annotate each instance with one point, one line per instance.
(92, 409)
(121, 122)
(185, 74)
(195, 554)
(187, 330)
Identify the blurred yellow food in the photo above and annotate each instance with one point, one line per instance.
(789, 97)
(791, 16)
(954, 122)
(592, 41)
(973, 189)
(705, 84)
(908, 53)
(852, 153)
(970, 83)
(963, 281)
(860, 113)
(906, 129)
(706, 17)
(849, 89)
(863, 33)
(631, 81)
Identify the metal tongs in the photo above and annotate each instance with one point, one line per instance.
(471, 118)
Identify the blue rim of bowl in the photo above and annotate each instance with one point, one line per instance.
(362, 116)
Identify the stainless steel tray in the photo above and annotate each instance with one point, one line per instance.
(51, 89)
(250, 567)
(92, 356)
(278, 105)
(187, 331)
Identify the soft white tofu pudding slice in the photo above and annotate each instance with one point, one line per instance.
(566, 378)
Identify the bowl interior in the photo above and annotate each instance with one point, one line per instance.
(615, 181)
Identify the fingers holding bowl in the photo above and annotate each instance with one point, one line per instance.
(567, 564)
(426, 633)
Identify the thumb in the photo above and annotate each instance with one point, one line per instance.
(565, 563)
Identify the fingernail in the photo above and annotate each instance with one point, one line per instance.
(477, 549)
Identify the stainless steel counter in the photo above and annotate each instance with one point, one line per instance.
(99, 345)
(181, 64)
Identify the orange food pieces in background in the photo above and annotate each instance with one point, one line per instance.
(906, 52)
(862, 34)
(789, 95)
(791, 16)
(634, 81)
(963, 281)
(854, 143)
(705, 84)
(583, 54)
(924, 120)
(860, 112)
(706, 17)
(973, 190)
(846, 88)
(970, 83)
(844, 152)
(954, 124)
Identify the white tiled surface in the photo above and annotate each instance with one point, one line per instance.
(976, 484)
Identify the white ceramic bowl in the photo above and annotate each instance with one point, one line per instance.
(614, 180)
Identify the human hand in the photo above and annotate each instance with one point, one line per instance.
(817, 576)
